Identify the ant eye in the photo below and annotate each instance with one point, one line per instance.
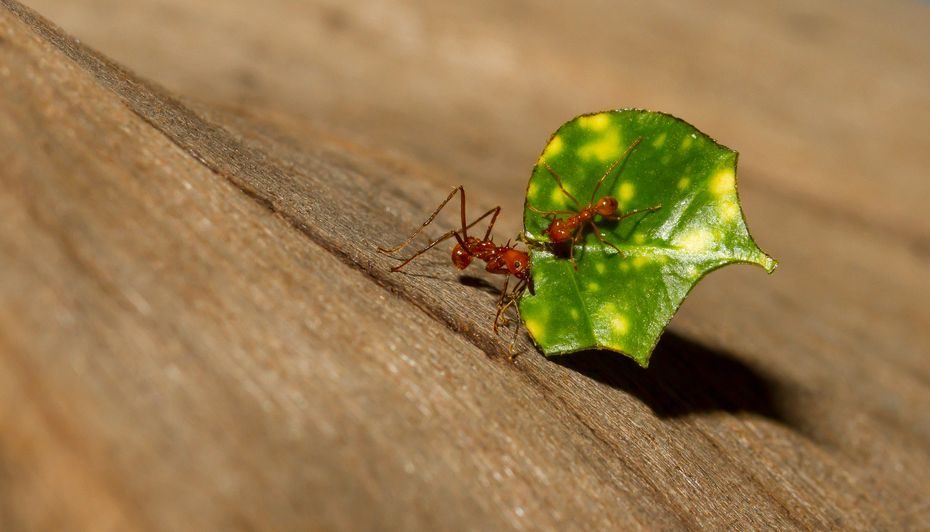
(517, 264)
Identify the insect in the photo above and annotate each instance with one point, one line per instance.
(505, 260)
(571, 229)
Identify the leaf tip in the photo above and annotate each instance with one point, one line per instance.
(767, 262)
(639, 355)
(770, 264)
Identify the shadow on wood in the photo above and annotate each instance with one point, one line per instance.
(686, 378)
(481, 284)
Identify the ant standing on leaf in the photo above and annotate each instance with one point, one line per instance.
(571, 229)
(505, 260)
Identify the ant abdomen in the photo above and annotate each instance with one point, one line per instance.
(460, 257)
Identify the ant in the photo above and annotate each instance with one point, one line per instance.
(571, 229)
(505, 260)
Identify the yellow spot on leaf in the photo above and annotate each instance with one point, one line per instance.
(535, 328)
(683, 183)
(574, 313)
(532, 190)
(624, 266)
(620, 325)
(626, 192)
(696, 240)
(723, 182)
(639, 261)
(598, 122)
(639, 238)
(600, 267)
(728, 209)
(552, 149)
(659, 141)
(686, 143)
(558, 196)
(606, 148)
(593, 287)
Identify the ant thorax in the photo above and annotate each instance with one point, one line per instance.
(474, 247)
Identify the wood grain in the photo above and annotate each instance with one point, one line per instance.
(196, 332)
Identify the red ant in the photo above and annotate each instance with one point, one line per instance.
(505, 260)
(571, 229)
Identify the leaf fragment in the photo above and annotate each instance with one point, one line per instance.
(622, 301)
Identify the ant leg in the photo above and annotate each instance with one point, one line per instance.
(429, 221)
(622, 158)
(496, 211)
(432, 244)
(502, 308)
(465, 226)
(571, 249)
(513, 341)
(579, 236)
(514, 296)
(597, 233)
(454, 232)
(558, 181)
(500, 304)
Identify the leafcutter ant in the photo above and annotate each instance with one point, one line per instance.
(571, 229)
(505, 260)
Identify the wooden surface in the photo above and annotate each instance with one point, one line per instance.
(196, 332)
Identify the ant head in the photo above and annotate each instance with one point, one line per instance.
(559, 231)
(606, 206)
(461, 257)
(518, 263)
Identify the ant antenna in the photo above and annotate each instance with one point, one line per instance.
(548, 213)
(464, 230)
(627, 214)
(558, 181)
(461, 235)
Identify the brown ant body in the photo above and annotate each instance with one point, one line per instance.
(571, 229)
(505, 260)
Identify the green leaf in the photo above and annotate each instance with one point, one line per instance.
(623, 301)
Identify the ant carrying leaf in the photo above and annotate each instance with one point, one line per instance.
(571, 229)
(623, 303)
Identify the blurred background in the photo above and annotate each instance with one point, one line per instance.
(818, 97)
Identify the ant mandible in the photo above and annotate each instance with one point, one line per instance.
(505, 260)
(571, 229)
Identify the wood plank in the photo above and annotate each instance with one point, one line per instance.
(181, 325)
